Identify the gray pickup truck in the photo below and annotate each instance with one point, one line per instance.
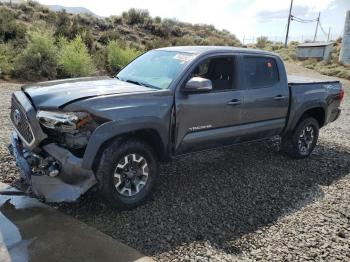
(111, 133)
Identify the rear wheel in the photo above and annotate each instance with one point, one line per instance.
(127, 173)
(302, 141)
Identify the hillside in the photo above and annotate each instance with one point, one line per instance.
(71, 9)
(38, 43)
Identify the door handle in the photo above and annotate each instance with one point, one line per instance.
(280, 97)
(234, 102)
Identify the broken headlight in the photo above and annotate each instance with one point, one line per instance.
(63, 121)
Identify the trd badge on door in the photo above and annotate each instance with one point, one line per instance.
(196, 128)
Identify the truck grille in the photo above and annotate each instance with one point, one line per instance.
(20, 121)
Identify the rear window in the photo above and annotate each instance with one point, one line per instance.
(260, 72)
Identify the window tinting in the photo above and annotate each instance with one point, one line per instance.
(260, 71)
(218, 70)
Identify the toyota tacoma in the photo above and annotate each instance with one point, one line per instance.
(112, 133)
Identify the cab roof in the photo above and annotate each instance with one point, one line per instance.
(213, 49)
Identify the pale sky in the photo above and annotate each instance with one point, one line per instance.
(244, 18)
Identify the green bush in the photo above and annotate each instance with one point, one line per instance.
(160, 42)
(344, 73)
(74, 59)
(275, 47)
(6, 60)
(135, 16)
(10, 29)
(158, 19)
(99, 59)
(310, 61)
(118, 56)
(108, 36)
(39, 58)
(184, 41)
(338, 71)
(262, 41)
(63, 24)
(26, 8)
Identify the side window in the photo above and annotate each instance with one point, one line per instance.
(260, 72)
(219, 70)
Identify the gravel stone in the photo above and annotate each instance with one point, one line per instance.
(247, 203)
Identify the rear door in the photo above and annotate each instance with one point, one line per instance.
(211, 119)
(266, 97)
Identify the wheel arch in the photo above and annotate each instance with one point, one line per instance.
(317, 112)
(152, 133)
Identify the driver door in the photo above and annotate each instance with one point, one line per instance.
(209, 120)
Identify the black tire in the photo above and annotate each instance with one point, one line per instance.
(297, 147)
(112, 158)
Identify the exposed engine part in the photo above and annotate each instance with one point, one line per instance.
(32, 159)
(53, 170)
(77, 140)
(42, 165)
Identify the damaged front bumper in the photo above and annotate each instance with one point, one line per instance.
(57, 177)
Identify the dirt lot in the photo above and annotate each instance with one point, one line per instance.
(245, 203)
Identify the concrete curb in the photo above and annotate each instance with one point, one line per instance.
(33, 231)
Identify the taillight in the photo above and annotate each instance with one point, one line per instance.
(341, 95)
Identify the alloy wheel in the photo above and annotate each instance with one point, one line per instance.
(131, 175)
(306, 139)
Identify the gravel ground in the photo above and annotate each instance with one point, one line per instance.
(8, 169)
(242, 204)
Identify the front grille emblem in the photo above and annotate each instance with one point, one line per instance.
(16, 117)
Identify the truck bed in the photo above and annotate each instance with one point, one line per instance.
(325, 93)
(302, 80)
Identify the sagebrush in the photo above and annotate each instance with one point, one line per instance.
(118, 57)
(39, 58)
(74, 59)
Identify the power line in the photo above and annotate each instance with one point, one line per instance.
(304, 21)
(300, 20)
(323, 31)
(297, 19)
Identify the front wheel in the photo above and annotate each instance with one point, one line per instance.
(302, 141)
(127, 173)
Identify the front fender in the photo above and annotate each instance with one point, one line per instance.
(109, 130)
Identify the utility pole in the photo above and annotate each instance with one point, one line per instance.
(329, 34)
(289, 18)
(318, 21)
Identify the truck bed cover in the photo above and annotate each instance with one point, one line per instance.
(302, 80)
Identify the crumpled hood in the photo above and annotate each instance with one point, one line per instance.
(56, 94)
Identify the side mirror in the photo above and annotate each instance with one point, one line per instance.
(198, 85)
